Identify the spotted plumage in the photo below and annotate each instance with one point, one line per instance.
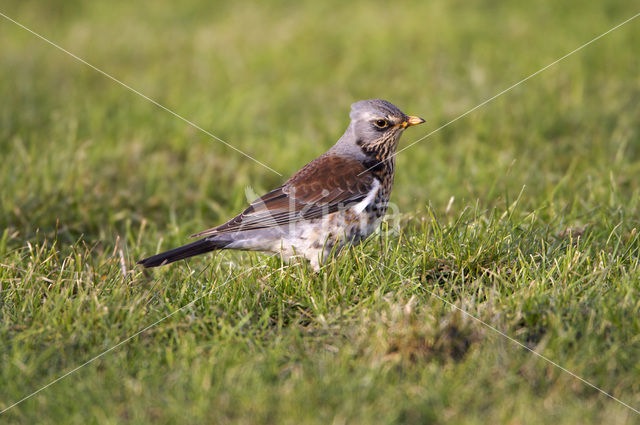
(338, 198)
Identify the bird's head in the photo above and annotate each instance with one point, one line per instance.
(378, 124)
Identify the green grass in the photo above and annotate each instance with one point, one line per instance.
(525, 214)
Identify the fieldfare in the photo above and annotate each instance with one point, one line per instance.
(338, 198)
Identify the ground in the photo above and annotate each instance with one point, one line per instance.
(519, 220)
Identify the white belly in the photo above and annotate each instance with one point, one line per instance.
(315, 239)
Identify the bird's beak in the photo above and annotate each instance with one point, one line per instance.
(413, 121)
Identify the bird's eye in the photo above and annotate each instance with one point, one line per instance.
(381, 123)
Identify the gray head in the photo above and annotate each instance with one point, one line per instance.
(375, 125)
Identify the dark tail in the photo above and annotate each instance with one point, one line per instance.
(186, 251)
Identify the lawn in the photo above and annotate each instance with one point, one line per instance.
(515, 231)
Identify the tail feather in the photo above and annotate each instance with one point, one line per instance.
(185, 251)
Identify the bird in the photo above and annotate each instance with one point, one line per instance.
(337, 199)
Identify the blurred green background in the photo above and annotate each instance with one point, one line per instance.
(91, 170)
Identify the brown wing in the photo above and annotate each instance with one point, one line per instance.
(323, 186)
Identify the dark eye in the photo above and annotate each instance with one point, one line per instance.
(381, 123)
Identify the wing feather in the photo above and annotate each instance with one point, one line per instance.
(325, 185)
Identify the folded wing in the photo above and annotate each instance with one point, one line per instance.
(325, 185)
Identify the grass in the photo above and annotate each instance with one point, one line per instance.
(523, 214)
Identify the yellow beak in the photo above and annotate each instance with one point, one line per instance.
(413, 121)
